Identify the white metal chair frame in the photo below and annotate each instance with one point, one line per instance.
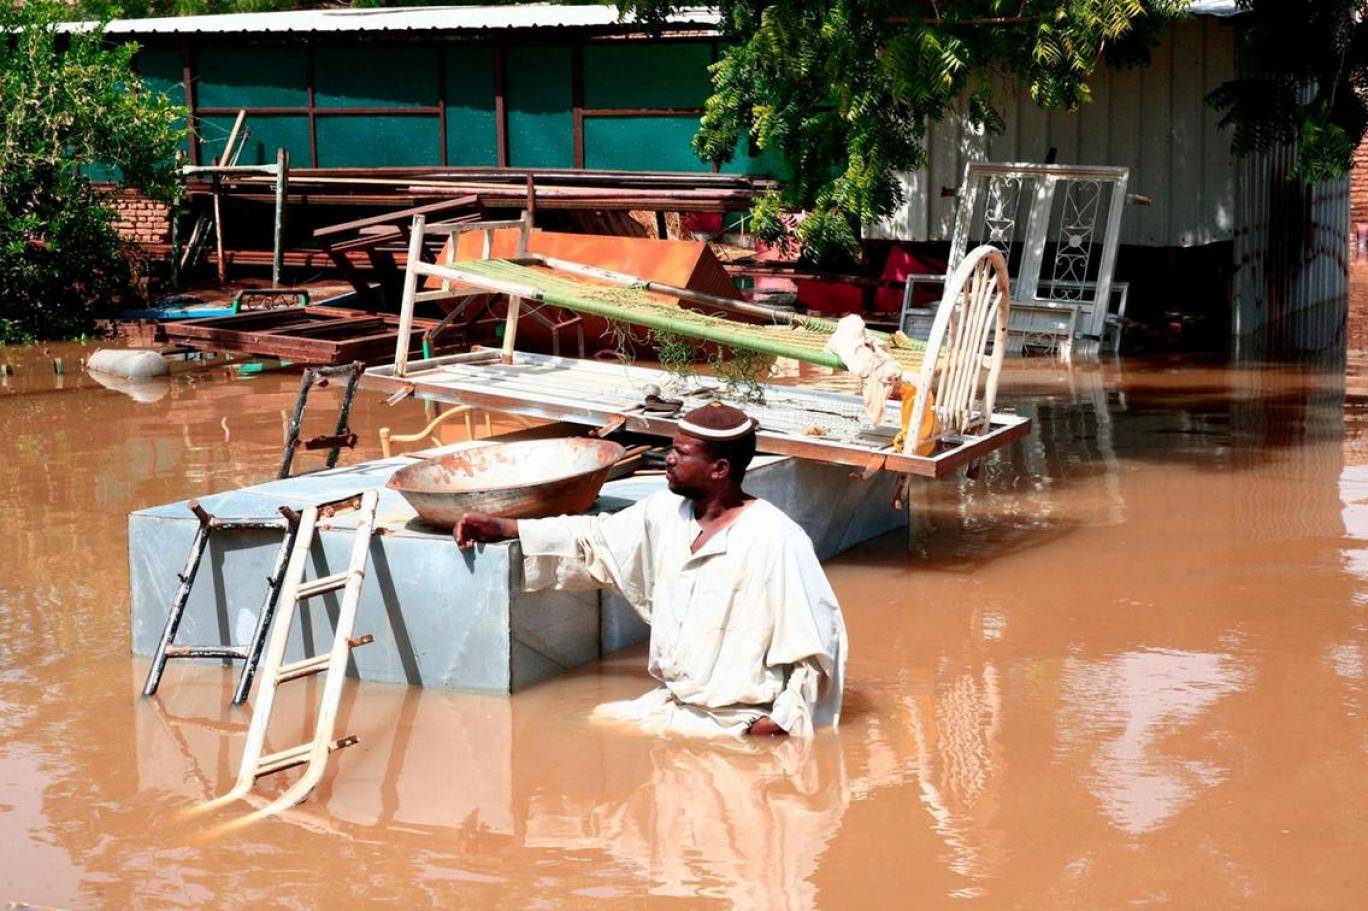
(965, 350)
(415, 267)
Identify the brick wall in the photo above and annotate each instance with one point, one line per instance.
(1358, 268)
(143, 221)
(1358, 186)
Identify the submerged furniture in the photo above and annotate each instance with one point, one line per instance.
(955, 372)
(1058, 228)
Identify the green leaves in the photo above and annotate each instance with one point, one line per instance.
(1304, 68)
(67, 104)
(842, 90)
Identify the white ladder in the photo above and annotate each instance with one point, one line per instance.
(313, 753)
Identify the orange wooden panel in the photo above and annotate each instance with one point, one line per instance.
(685, 263)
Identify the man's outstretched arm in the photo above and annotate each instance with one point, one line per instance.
(572, 553)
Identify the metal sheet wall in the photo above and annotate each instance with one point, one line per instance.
(1291, 293)
(1153, 120)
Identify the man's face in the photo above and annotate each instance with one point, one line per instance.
(690, 470)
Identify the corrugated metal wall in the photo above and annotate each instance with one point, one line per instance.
(1153, 120)
(1291, 292)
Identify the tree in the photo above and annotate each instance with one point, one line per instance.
(1303, 82)
(141, 9)
(69, 103)
(842, 90)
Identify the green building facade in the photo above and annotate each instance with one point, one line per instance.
(519, 98)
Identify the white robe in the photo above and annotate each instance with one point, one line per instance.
(746, 627)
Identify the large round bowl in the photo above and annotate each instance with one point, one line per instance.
(526, 480)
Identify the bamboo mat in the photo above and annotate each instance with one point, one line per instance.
(804, 339)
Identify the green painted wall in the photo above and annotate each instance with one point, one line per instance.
(472, 133)
(666, 75)
(266, 133)
(265, 77)
(641, 144)
(389, 140)
(375, 76)
(616, 75)
(538, 97)
(160, 71)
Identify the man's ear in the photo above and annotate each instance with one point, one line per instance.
(721, 469)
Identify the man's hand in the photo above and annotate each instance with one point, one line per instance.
(764, 726)
(479, 527)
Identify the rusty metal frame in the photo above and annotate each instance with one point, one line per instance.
(343, 436)
(249, 653)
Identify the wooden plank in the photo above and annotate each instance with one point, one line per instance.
(397, 218)
(323, 329)
(303, 344)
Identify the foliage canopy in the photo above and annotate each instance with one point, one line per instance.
(68, 103)
(1304, 79)
(842, 90)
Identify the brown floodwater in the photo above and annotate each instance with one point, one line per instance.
(1125, 666)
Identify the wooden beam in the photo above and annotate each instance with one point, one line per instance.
(395, 218)
(228, 159)
(282, 191)
(415, 254)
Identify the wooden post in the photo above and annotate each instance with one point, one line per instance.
(282, 188)
(510, 329)
(415, 252)
(218, 234)
(515, 303)
(175, 226)
(226, 159)
(525, 233)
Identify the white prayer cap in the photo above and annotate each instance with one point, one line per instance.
(716, 421)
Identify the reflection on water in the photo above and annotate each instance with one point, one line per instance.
(1118, 712)
(1125, 664)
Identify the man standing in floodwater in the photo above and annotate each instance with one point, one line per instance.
(746, 634)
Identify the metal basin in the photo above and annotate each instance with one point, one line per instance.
(526, 480)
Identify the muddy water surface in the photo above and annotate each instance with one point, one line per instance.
(1125, 666)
